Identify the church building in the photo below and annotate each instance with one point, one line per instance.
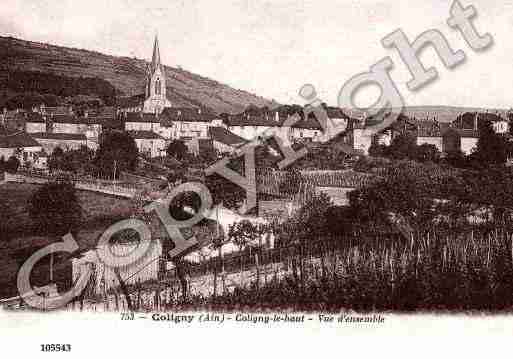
(155, 91)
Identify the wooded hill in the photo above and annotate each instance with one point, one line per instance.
(125, 74)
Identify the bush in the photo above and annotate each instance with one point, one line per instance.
(12, 164)
(427, 153)
(177, 149)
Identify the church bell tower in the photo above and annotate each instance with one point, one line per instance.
(155, 90)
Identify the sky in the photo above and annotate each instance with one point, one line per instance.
(272, 48)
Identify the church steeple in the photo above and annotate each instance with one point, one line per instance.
(155, 61)
(155, 91)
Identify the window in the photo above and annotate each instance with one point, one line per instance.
(158, 86)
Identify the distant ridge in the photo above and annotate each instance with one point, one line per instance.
(124, 73)
(441, 113)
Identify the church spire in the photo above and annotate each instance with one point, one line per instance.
(155, 61)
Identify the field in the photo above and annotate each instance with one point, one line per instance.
(15, 196)
(19, 239)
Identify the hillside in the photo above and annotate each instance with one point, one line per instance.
(125, 74)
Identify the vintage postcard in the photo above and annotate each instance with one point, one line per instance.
(292, 172)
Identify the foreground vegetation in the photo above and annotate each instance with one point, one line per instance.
(463, 273)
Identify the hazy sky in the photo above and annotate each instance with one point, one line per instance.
(271, 48)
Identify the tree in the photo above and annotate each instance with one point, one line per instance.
(456, 159)
(117, 152)
(177, 149)
(208, 155)
(402, 146)
(242, 233)
(57, 162)
(312, 217)
(427, 153)
(55, 208)
(492, 148)
(12, 164)
(177, 176)
(378, 150)
(402, 192)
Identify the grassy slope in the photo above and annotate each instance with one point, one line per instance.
(99, 212)
(126, 74)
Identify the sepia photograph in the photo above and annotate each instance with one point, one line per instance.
(254, 164)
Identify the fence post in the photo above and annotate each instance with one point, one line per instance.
(266, 266)
(257, 264)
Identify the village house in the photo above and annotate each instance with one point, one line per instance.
(183, 122)
(224, 141)
(91, 128)
(142, 122)
(56, 110)
(430, 132)
(40, 160)
(131, 104)
(338, 122)
(35, 123)
(461, 134)
(467, 126)
(468, 140)
(362, 137)
(14, 119)
(148, 143)
(66, 141)
(254, 123)
(20, 145)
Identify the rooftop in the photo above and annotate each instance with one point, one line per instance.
(16, 139)
(221, 134)
(145, 135)
(186, 114)
(141, 117)
(59, 136)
